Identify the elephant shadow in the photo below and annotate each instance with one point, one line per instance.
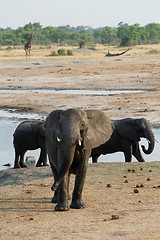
(26, 204)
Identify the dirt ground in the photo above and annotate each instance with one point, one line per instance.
(26, 211)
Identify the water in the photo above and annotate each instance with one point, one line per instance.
(71, 91)
(14, 115)
(10, 120)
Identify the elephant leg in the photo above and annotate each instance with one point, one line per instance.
(56, 193)
(45, 159)
(137, 153)
(128, 154)
(62, 204)
(22, 164)
(16, 162)
(68, 180)
(42, 158)
(79, 182)
(95, 158)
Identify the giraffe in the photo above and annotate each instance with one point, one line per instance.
(27, 46)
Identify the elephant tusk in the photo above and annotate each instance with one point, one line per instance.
(59, 140)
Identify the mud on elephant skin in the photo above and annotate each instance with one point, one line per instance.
(125, 138)
(70, 136)
(29, 135)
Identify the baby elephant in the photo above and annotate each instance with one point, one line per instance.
(29, 135)
(125, 138)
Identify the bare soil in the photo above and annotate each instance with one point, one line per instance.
(115, 212)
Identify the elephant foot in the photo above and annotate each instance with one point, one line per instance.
(23, 165)
(54, 199)
(62, 206)
(77, 205)
(45, 164)
(16, 166)
(38, 164)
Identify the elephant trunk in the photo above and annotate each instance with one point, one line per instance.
(151, 141)
(65, 161)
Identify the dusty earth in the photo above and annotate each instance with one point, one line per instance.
(26, 211)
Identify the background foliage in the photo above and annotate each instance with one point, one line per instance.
(123, 35)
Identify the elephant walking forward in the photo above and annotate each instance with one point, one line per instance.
(70, 136)
(125, 138)
(29, 135)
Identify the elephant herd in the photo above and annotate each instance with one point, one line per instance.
(70, 137)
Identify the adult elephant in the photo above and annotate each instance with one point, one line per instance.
(125, 138)
(29, 135)
(70, 136)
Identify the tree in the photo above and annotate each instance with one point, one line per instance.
(124, 34)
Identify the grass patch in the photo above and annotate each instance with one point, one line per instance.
(153, 51)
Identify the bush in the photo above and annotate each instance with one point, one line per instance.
(61, 52)
(69, 52)
(53, 54)
(8, 48)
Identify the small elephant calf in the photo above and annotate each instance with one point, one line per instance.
(125, 138)
(29, 135)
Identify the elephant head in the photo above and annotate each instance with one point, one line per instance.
(134, 129)
(70, 134)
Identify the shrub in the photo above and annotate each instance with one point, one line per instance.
(61, 52)
(53, 54)
(69, 52)
(8, 48)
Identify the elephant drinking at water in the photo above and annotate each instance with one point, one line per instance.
(125, 138)
(70, 136)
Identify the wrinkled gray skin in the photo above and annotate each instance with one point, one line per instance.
(29, 135)
(125, 138)
(70, 136)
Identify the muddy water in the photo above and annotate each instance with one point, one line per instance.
(10, 120)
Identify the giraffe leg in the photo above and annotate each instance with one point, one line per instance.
(26, 52)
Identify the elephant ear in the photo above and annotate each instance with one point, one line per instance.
(100, 129)
(128, 128)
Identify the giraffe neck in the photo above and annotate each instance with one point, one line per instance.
(30, 39)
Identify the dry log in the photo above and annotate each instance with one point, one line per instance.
(116, 54)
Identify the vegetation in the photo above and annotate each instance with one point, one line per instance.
(153, 51)
(61, 52)
(123, 35)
